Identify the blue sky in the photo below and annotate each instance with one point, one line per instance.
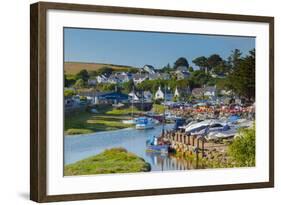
(140, 48)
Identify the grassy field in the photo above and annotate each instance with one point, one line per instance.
(74, 67)
(116, 160)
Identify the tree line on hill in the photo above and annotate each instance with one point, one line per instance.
(236, 73)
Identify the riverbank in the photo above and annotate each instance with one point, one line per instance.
(115, 160)
(85, 122)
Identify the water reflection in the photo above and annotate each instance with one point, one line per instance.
(80, 147)
(172, 162)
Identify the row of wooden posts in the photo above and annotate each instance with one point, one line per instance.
(187, 142)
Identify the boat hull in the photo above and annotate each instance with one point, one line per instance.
(158, 148)
(144, 127)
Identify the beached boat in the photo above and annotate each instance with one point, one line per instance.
(143, 123)
(222, 134)
(194, 127)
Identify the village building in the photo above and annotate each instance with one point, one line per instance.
(198, 92)
(154, 76)
(177, 94)
(159, 94)
(147, 95)
(182, 74)
(102, 79)
(210, 91)
(165, 76)
(169, 95)
(182, 68)
(112, 98)
(225, 92)
(92, 82)
(149, 69)
(118, 77)
(134, 97)
(182, 92)
(139, 77)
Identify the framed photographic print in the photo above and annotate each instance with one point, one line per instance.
(135, 102)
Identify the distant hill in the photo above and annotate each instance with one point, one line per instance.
(75, 67)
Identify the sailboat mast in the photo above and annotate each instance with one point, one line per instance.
(163, 122)
(133, 102)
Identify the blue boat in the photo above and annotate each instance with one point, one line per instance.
(153, 145)
(143, 123)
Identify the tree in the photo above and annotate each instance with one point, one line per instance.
(166, 69)
(199, 78)
(214, 60)
(93, 73)
(234, 58)
(190, 69)
(79, 83)
(243, 147)
(83, 74)
(221, 68)
(69, 80)
(69, 93)
(128, 86)
(201, 62)
(105, 71)
(242, 77)
(181, 62)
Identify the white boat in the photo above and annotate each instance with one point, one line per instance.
(197, 126)
(222, 134)
(144, 123)
(129, 122)
(231, 131)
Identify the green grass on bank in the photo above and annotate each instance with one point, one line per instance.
(123, 111)
(85, 122)
(158, 108)
(116, 160)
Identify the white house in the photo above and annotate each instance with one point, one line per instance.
(102, 79)
(92, 82)
(226, 92)
(138, 78)
(149, 68)
(176, 94)
(159, 94)
(210, 91)
(182, 68)
(182, 74)
(133, 96)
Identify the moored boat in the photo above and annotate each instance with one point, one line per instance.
(129, 122)
(153, 144)
(143, 123)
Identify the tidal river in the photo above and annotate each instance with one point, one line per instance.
(82, 146)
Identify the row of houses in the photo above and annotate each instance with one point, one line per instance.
(123, 77)
(142, 97)
(146, 73)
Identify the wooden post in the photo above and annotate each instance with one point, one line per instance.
(193, 139)
(197, 144)
(203, 148)
(197, 153)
